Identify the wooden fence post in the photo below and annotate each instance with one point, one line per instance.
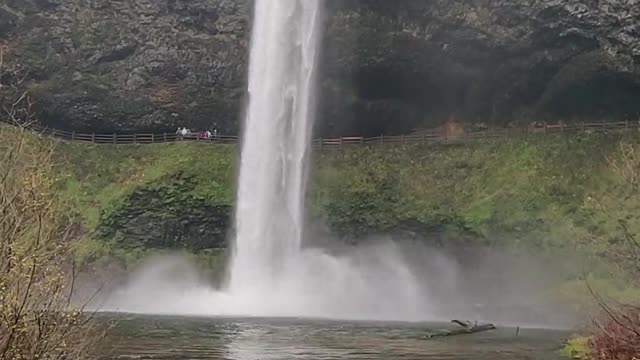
(164, 136)
(153, 138)
(73, 136)
(135, 138)
(93, 138)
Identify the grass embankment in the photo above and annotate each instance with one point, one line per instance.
(548, 195)
(138, 200)
(540, 192)
(543, 193)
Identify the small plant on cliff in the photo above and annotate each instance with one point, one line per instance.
(37, 320)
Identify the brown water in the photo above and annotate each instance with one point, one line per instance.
(172, 338)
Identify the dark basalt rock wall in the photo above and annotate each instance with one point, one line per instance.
(414, 62)
(388, 67)
(121, 65)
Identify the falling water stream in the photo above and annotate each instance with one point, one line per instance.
(272, 274)
(271, 189)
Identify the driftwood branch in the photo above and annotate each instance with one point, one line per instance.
(466, 328)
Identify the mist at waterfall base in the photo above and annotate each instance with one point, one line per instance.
(271, 273)
(382, 280)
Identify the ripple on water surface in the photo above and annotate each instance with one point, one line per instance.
(174, 338)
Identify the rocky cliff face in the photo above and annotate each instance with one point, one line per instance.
(123, 65)
(389, 66)
(495, 61)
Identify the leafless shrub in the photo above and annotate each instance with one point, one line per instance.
(617, 335)
(37, 276)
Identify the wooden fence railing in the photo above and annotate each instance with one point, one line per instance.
(427, 137)
(437, 137)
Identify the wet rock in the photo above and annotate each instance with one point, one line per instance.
(388, 66)
(495, 62)
(130, 65)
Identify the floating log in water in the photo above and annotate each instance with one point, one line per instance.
(467, 328)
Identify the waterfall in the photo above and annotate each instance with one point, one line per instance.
(271, 273)
(270, 209)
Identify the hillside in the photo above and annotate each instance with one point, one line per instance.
(531, 192)
(543, 204)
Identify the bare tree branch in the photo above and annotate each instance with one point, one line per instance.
(37, 273)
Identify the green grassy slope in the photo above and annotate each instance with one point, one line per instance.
(529, 190)
(542, 193)
(555, 195)
(134, 199)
